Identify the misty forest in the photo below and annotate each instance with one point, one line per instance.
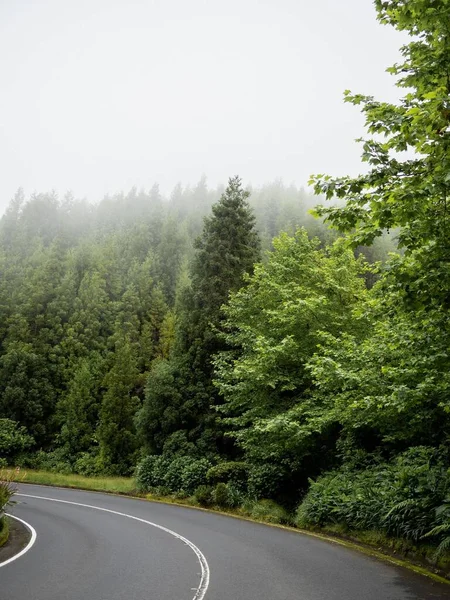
(276, 350)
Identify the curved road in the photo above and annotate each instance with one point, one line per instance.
(82, 553)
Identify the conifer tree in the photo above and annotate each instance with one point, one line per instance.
(226, 250)
(116, 431)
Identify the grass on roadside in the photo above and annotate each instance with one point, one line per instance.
(119, 485)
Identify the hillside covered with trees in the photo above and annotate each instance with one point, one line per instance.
(227, 345)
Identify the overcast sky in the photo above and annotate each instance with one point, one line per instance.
(100, 95)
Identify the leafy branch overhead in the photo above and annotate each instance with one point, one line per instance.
(407, 183)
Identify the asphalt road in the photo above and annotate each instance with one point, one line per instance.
(82, 553)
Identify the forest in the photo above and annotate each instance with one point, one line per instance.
(265, 347)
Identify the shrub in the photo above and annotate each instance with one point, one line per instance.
(441, 531)
(226, 495)
(151, 473)
(174, 475)
(3, 463)
(7, 488)
(221, 495)
(28, 461)
(87, 464)
(204, 495)
(161, 490)
(194, 475)
(235, 496)
(269, 511)
(181, 474)
(400, 498)
(232, 472)
(14, 438)
(264, 480)
(177, 444)
(54, 461)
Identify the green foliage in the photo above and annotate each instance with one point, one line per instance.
(233, 472)
(227, 495)
(150, 472)
(175, 474)
(194, 474)
(220, 494)
(401, 189)
(270, 512)
(116, 432)
(14, 439)
(178, 444)
(159, 419)
(226, 250)
(179, 393)
(79, 408)
(441, 532)
(264, 480)
(121, 337)
(54, 461)
(204, 495)
(26, 392)
(273, 327)
(390, 389)
(7, 490)
(399, 498)
(88, 464)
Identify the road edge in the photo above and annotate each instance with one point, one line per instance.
(202, 588)
(29, 545)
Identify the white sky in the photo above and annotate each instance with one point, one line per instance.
(100, 95)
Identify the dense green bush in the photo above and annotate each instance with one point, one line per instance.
(14, 439)
(233, 472)
(400, 498)
(204, 495)
(182, 474)
(88, 464)
(441, 531)
(221, 495)
(54, 461)
(194, 475)
(173, 477)
(264, 480)
(150, 472)
(226, 495)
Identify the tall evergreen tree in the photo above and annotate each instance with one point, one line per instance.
(116, 431)
(226, 251)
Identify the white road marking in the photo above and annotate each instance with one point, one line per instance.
(27, 547)
(200, 591)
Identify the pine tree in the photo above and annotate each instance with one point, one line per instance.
(79, 407)
(116, 431)
(226, 250)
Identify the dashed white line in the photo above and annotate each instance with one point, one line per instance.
(202, 588)
(27, 547)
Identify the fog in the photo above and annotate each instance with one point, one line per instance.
(98, 96)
